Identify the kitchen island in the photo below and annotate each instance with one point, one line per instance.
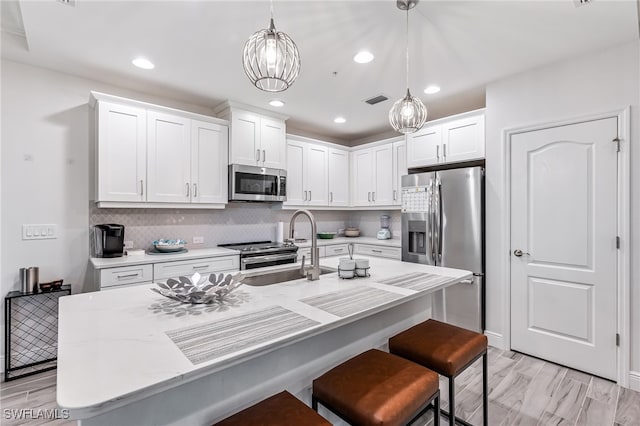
(131, 356)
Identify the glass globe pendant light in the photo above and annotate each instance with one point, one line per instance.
(271, 59)
(407, 115)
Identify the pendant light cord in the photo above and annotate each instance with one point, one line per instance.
(407, 47)
(271, 8)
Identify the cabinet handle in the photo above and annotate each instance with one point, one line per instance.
(200, 267)
(368, 196)
(141, 187)
(127, 276)
(257, 155)
(337, 250)
(195, 189)
(438, 152)
(377, 251)
(373, 197)
(331, 197)
(188, 186)
(264, 155)
(309, 195)
(305, 195)
(395, 195)
(444, 151)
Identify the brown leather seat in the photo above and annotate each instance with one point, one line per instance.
(377, 388)
(442, 347)
(448, 350)
(278, 410)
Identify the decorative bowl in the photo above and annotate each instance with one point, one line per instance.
(169, 245)
(352, 232)
(199, 288)
(326, 235)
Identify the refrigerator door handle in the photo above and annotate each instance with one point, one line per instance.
(430, 220)
(440, 221)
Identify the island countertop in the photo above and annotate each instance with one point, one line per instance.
(124, 345)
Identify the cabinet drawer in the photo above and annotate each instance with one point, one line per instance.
(189, 267)
(379, 251)
(337, 250)
(115, 287)
(126, 275)
(306, 251)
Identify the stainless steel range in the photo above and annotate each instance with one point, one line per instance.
(264, 253)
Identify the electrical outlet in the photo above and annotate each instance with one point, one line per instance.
(128, 245)
(198, 240)
(40, 232)
(340, 231)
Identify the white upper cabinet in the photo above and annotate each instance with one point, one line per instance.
(373, 176)
(361, 177)
(338, 177)
(382, 191)
(399, 169)
(153, 156)
(168, 158)
(453, 139)
(121, 166)
(209, 142)
(307, 174)
(255, 139)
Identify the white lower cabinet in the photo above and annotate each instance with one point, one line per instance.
(137, 274)
(306, 252)
(337, 250)
(379, 251)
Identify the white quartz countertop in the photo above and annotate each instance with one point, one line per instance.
(115, 262)
(120, 346)
(393, 242)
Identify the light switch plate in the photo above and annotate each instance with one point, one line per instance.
(40, 231)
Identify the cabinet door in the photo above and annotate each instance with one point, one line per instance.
(361, 177)
(423, 147)
(295, 173)
(338, 177)
(169, 159)
(383, 175)
(273, 144)
(245, 138)
(463, 139)
(316, 180)
(122, 153)
(209, 174)
(399, 169)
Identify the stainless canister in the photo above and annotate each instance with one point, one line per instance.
(29, 278)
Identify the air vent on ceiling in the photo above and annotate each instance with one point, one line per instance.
(71, 3)
(376, 99)
(581, 2)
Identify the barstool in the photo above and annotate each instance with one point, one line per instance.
(447, 350)
(282, 409)
(377, 388)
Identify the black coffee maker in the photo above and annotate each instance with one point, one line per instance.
(108, 240)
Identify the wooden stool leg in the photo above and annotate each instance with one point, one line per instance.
(452, 402)
(314, 403)
(436, 411)
(485, 392)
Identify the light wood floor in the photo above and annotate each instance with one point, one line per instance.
(522, 391)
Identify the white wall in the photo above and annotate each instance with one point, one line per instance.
(600, 82)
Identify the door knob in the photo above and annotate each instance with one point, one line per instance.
(519, 253)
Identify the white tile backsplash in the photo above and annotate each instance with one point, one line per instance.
(369, 222)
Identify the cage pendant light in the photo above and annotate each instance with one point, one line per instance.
(407, 115)
(270, 59)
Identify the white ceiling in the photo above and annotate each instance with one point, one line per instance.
(197, 46)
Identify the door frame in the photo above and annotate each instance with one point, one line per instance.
(623, 229)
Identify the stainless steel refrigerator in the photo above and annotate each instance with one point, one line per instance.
(443, 225)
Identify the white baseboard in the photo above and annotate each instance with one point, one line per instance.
(634, 380)
(496, 340)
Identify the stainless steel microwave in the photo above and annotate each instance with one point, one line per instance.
(254, 183)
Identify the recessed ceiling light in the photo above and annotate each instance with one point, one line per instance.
(363, 57)
(143, 63)
(339, 120)
(276, 103)
(430, 90)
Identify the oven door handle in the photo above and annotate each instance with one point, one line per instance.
(268, 258)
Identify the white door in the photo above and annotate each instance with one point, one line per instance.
(338, 177)
(399, 169)
(316, 178)
(423, 147)
(563, 219)
(463, 139)
(245, 138)
(122, 153)
(209, 173)
(361, 177)
(383, 175)
(168, 158)
(296, 192)
(273, 144)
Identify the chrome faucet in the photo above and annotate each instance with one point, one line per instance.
(313, 270)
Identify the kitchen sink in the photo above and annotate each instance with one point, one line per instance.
(280, 276)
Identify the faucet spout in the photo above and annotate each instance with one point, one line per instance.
(313, 270)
